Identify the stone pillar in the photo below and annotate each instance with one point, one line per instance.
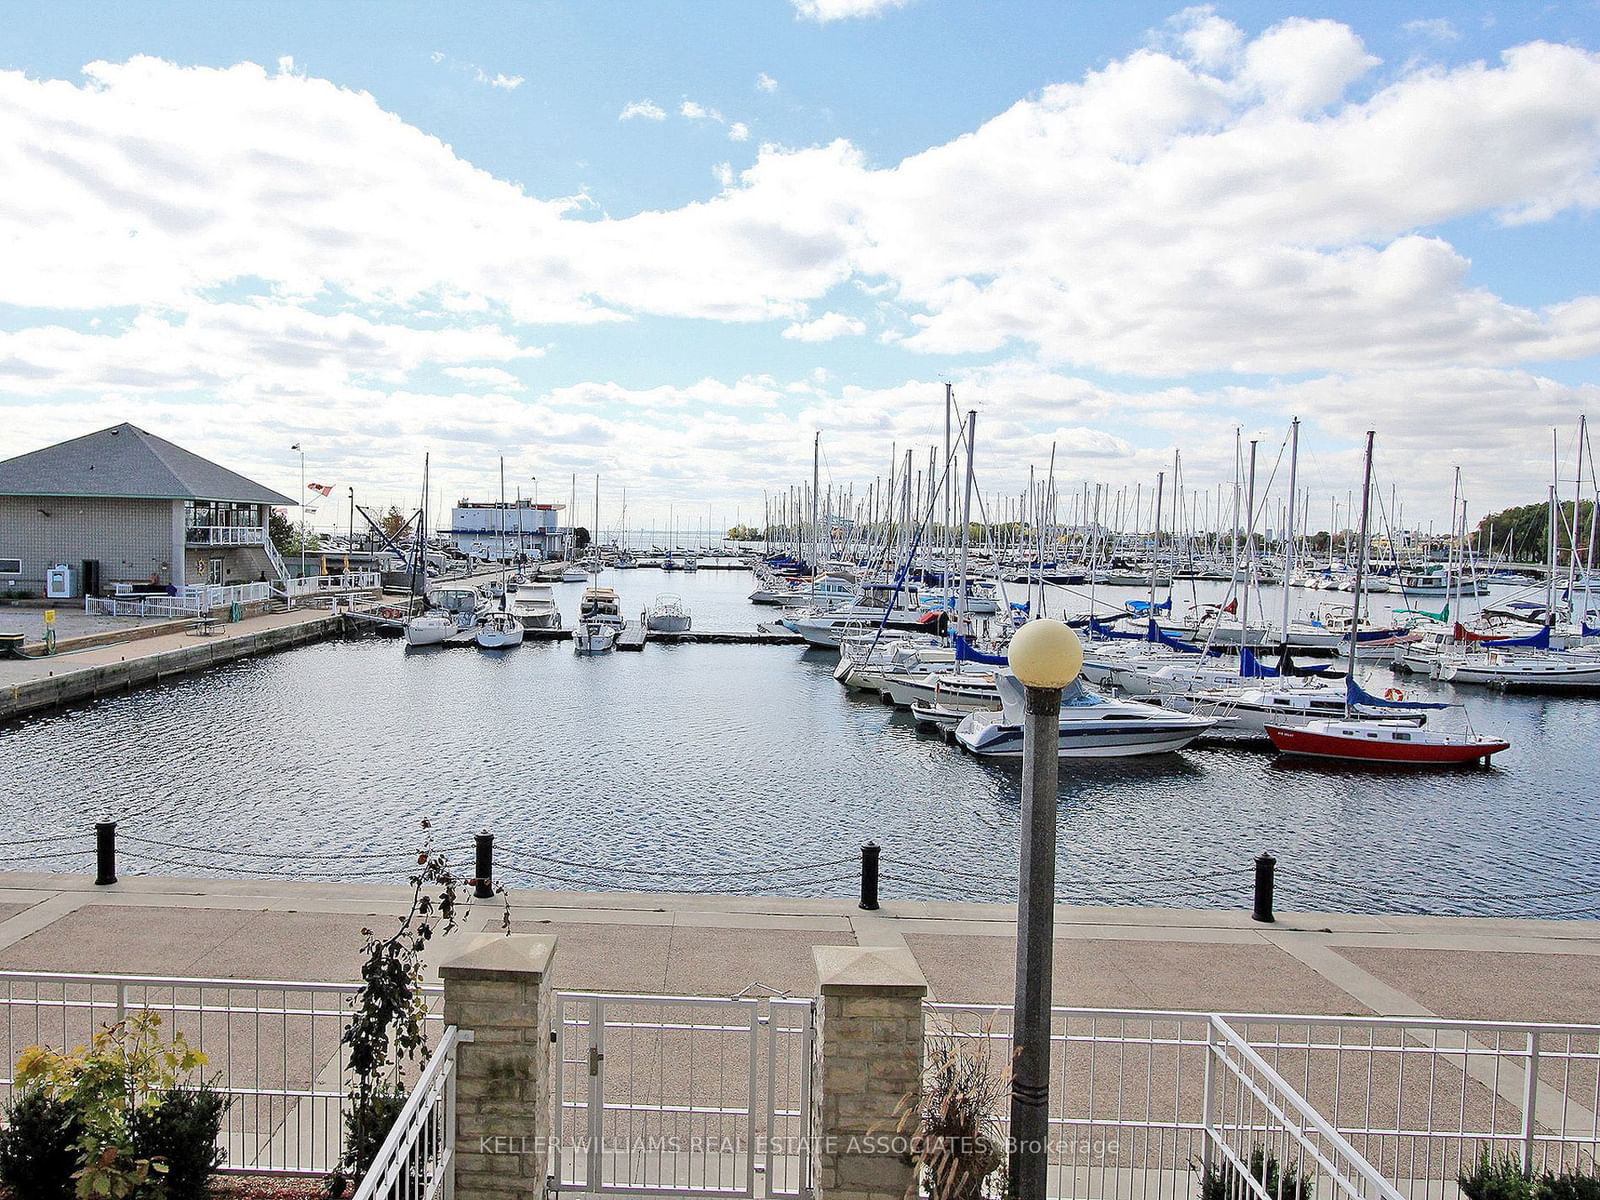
(499, 989)
(868, 1068)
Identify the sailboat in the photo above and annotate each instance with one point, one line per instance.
(1398, 742)
(600, 612)
(498, 629)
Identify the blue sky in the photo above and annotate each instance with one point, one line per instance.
(1083, 213)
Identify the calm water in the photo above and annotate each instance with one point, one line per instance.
(748, 769)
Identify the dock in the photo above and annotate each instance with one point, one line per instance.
(632, 636)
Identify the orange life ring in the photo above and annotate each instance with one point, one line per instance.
(1393, 694)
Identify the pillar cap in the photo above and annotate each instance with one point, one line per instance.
(502, 958)
(868, 971)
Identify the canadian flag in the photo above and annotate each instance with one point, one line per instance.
(322, 489)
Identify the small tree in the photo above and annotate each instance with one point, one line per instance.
(393, 522)
(387, 1026)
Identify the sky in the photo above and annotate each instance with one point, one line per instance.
(665, 242)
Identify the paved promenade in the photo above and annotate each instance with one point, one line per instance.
(719, 946)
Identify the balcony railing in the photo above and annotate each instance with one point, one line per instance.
(225, 535)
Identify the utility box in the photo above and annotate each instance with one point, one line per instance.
(60, 582)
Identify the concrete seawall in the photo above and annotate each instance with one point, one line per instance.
(43, 683)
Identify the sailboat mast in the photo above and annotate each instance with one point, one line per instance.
(1361, 567)
(1577, 508)
(1288, 542)
(816, 478)
(1249, 547)
(1155, 545)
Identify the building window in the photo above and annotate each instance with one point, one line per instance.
(10, 566)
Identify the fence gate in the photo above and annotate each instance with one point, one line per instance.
(681, 1095)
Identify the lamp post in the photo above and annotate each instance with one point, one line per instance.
(296, 446)
(1045, 656)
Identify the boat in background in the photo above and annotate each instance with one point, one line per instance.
(667, 615)
(1090, 725)
(497, 630)
(1397, 742)
(534, 604)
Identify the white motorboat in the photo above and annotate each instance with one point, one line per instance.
(497, 630)
(668, 615)
(827, 592)
(880, 605)
(574, 573)
(534, 605)
(1090, 726)
(595, 636)
(970, 691)
(600, 602)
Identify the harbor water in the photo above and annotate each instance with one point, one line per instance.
(748, 769)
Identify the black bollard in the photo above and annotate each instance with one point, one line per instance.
(105, 852)
(869, 876)
(483, 869)
(1266, 868)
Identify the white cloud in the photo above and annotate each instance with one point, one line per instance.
(698, 112)
(494, 378)
(1433, 29)
(825, 328)
(738, 132)
(647, 110)
(823, 11)
(509, 83)
(766, 83)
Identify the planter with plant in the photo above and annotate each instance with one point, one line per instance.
(1223, 1180)
(113, 1119)
(956, 1140)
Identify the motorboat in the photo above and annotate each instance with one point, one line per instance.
(970, 691)
(574, 573)
(825, 592)
(600, 602)
(497, 630)
(691, 562)
(1397, 742)
(667, 615)
(880, 606)
(865, 660)
(1090, 725)
(534, 605)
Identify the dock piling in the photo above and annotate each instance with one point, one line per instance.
(1266, 871)
(869, 876)
(483, 867)
(105, 853)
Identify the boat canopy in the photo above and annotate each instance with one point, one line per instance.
(966, 653)
(1356, 694)
(1251, 667)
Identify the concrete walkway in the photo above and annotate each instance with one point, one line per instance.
(15, 671)
(718, 946)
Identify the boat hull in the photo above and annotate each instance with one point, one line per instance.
(1313, 744)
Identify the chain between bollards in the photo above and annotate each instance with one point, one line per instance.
(869, 876)
(1266, 877)
(483, 867)
(105, 853)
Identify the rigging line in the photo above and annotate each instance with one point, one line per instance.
(679, 874)
(226, 850)
(1424, 895)
(599, 885)
(1012, 879)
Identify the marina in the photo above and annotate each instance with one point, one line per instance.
(289, 741)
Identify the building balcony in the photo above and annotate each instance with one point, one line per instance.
(225, 535)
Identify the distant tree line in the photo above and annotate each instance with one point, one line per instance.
(1526, 530)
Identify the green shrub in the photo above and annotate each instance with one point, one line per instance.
(1223, 1182)
(365, 1127)
(1495, 1177)
(182, 1129)
(1571, 1186)
(39, 1146)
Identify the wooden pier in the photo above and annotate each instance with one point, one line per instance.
(632, 636)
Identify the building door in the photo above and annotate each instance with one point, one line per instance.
(214, 572)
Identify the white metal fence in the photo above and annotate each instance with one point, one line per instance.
(191, 601)
(323, 585)
(682, 1096)
(271, 1046)
(1417, 1099)
(417, 1159)
(225, 535)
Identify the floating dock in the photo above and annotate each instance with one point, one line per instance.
(632, 636)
